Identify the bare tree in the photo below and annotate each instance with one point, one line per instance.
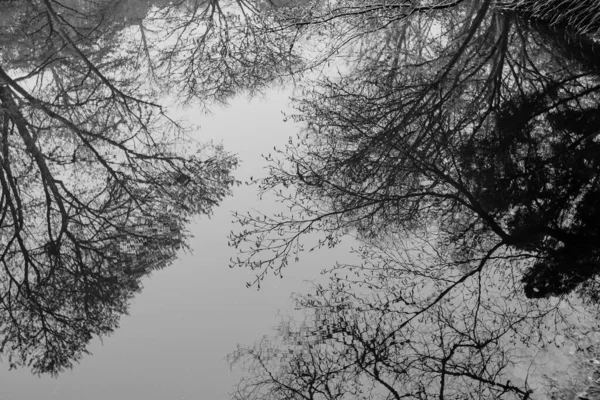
(475, 127)
(407, 325)
(97, 183)
(458, 144)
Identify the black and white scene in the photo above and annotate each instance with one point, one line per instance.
(300, 199)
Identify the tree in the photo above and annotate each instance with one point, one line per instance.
(459, 145)
(209, 51)
(398, 327)
(396, 145)
(97, 183)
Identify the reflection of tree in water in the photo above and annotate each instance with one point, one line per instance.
(97, 183)
(485, 129)
(460, 145)
(375, 345)
(78, 234)
(538, 169)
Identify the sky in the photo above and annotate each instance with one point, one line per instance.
(189, 316)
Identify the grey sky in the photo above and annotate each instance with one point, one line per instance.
(192, 314)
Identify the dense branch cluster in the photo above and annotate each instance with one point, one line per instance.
(477, 126)
(459, 145)
(97, 182)
(456, 140)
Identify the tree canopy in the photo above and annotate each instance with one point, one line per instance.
(97, 182)
(462, 116)
(457, 142)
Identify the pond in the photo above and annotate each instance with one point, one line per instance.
(440, 160)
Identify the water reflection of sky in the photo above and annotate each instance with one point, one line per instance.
(191, 315)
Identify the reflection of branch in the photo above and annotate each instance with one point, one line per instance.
(39, 104)
(443, 294)
(474, 27)
(370, 9)
(505, 386)
(495, 78)
(308, 180)
(146, 48)
(472, 202)
(15, 115)
(85, 59)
